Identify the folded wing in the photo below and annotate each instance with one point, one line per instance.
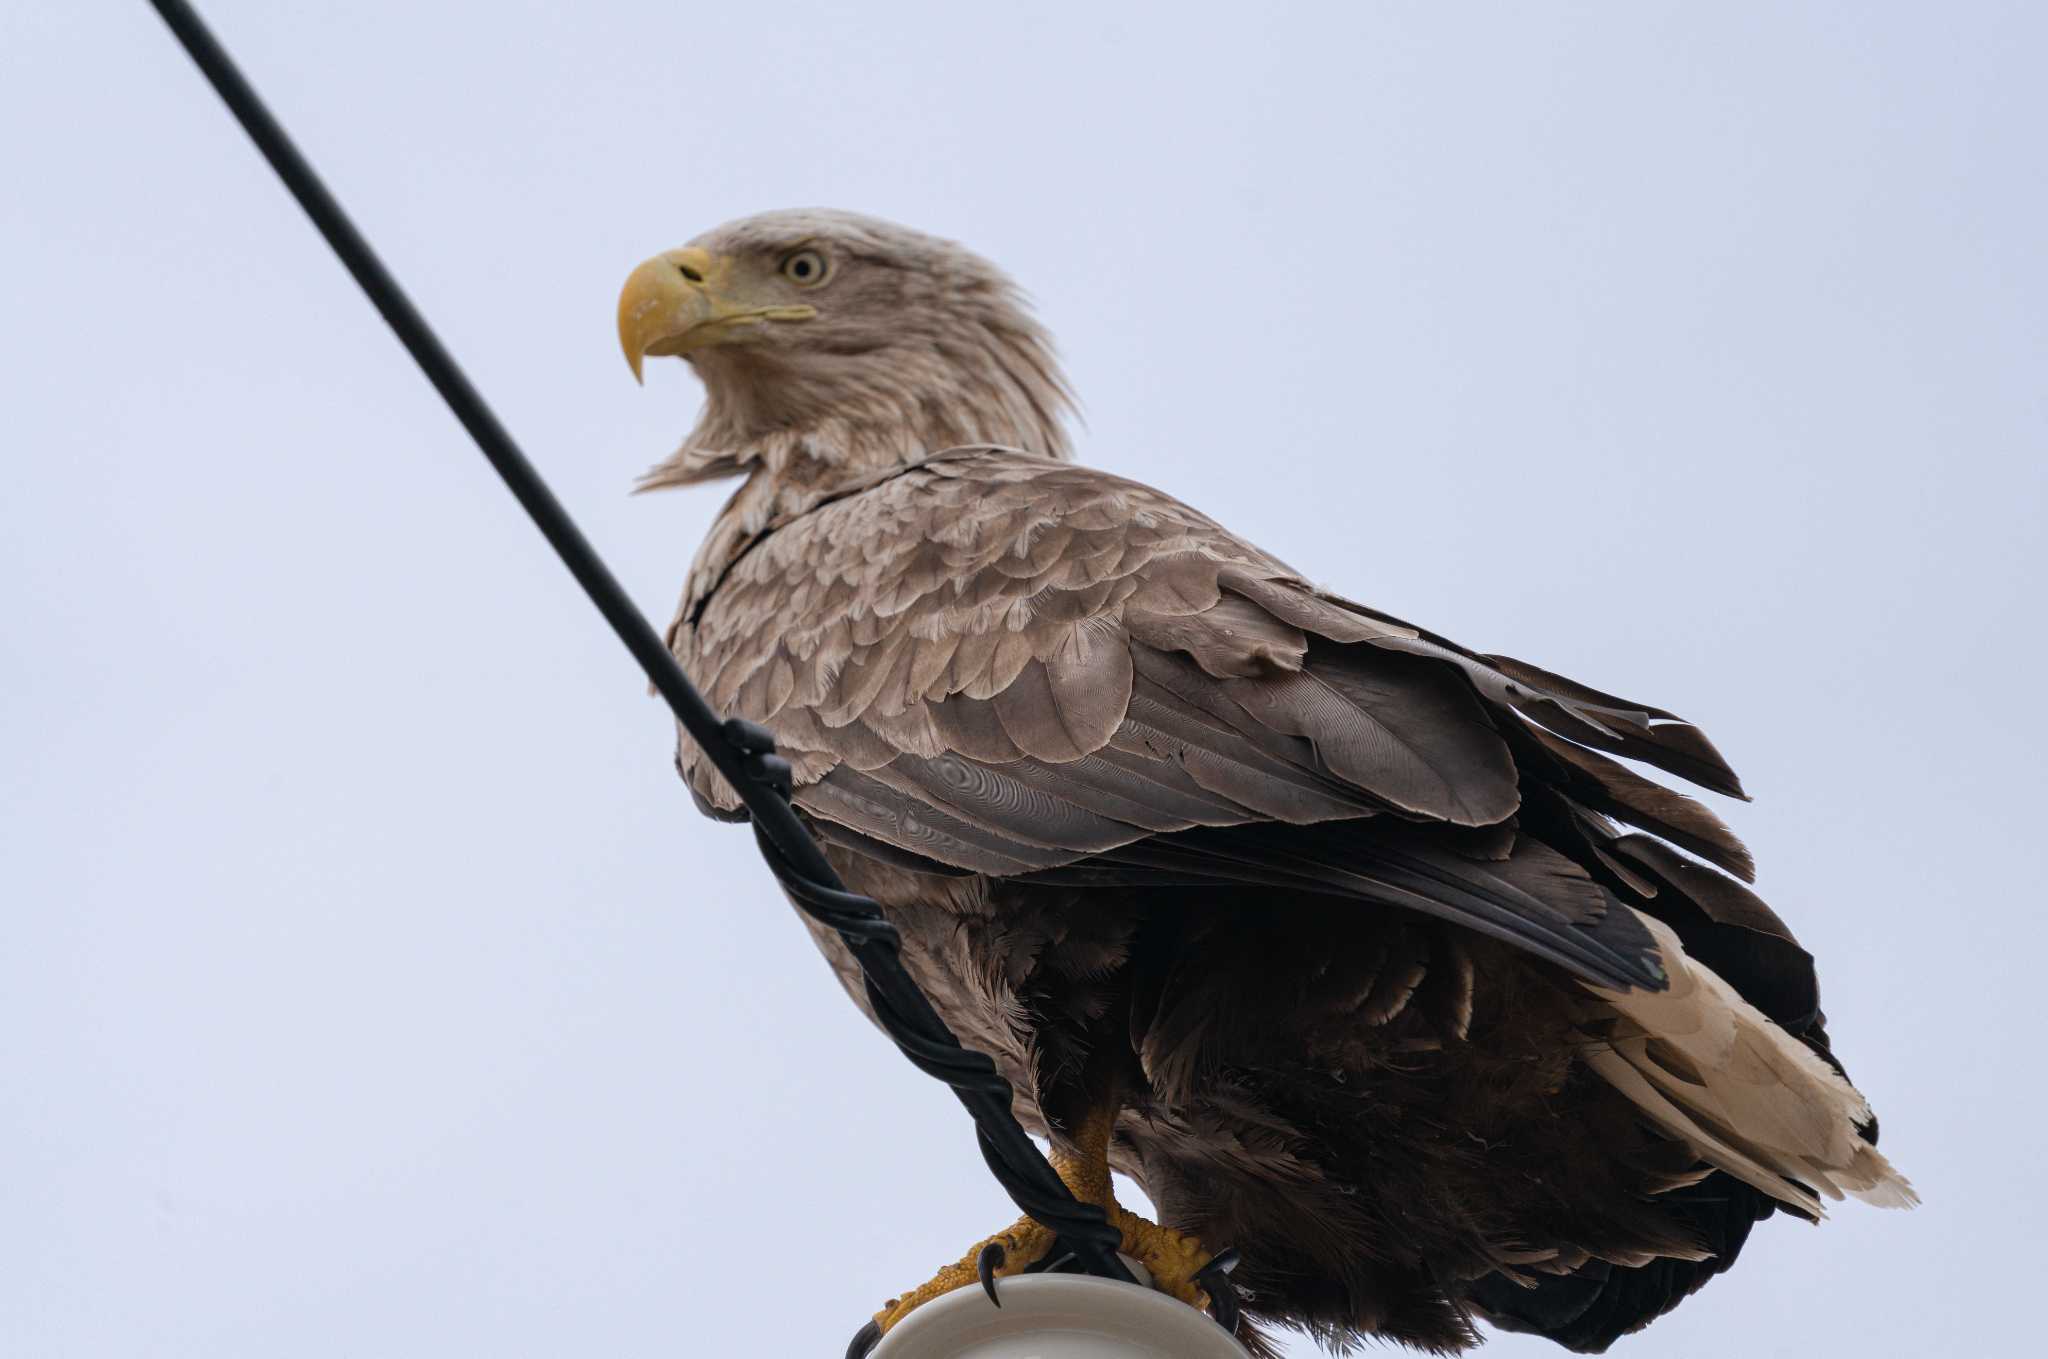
(998, 664)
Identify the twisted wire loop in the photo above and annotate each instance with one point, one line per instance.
(743, 752)
(1082, 1230)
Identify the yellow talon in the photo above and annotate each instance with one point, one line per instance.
(1023, 1245)
(1173, 1259)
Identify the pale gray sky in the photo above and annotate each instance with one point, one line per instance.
(369, 986)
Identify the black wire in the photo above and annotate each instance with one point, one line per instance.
(743, 752)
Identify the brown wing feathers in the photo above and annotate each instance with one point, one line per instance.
(1013, 666)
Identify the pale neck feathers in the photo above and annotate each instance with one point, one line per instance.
(802, 425)
(811, 421)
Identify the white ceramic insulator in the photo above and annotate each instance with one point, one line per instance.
(1058, 1316)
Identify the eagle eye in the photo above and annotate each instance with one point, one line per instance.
(805, 268)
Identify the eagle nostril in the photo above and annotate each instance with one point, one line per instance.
(690, 274)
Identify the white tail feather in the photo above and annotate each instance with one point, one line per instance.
(1710, 1068)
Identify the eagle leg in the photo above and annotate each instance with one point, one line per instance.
(1178, 1263)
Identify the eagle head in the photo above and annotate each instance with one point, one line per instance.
(829, 343)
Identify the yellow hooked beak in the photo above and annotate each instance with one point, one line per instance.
(689, 299)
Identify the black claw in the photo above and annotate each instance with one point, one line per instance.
(986, 1264)
(864, 1340)
(1214, 1279)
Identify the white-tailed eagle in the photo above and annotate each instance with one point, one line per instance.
(1362, 952)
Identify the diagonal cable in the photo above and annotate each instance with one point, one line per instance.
(743, 752)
